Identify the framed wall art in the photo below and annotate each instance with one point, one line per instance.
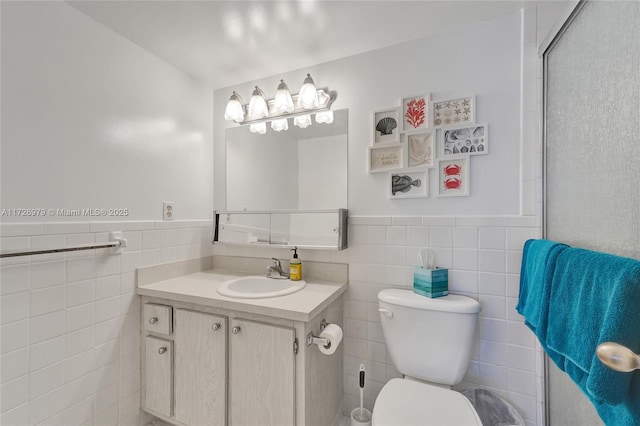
(385, 158)
(385, 126)
(415, 112)
(469, 139)
(453, 112)
(453, 176)
(420, 148)
(412, 184)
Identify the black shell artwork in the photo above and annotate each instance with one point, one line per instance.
(386, 125)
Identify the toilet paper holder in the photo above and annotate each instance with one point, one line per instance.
(315, 340)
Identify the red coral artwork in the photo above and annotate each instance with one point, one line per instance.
(415, 112)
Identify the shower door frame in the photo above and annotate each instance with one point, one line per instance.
(545, 49)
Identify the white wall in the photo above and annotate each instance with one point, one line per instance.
(483, 59)
(90, 120)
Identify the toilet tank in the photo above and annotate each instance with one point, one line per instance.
(429, 339)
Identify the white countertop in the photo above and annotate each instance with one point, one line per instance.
(201, 288)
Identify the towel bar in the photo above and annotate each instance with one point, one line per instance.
(618, 357)
(115, 241)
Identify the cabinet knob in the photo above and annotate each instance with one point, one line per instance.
(162, 350)
(216, 326)
(235, 329)
(153, 320)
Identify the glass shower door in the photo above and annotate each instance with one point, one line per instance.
(592, 153)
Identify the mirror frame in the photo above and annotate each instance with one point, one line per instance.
(342, 218)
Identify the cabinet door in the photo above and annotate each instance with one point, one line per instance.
(262, 377)
(157, 375)
(200, 368)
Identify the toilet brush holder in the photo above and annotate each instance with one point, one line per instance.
(360, 417)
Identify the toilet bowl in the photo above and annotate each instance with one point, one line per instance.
(430, 342)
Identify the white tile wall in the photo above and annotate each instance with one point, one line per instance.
(483, 255)
(70, 338)
(69, 323)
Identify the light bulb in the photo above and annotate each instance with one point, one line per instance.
(302, 121)
(283, 102)
(308, 96)
(260, 128)
(257, 105)
(324, 117)
(234, 110)
(280, 125)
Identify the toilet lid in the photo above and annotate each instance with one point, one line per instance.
(408, 403)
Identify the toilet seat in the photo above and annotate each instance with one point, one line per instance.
(408, 403)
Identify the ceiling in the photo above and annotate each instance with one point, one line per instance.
(224, 43)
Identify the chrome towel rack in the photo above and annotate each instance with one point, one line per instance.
(115, 241)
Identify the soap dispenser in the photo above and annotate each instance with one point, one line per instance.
(295, 266)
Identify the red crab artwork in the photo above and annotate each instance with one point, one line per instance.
(415, 112)
(452, 169)
(452, 183)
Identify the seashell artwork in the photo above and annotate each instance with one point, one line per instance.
(472, 140)
(386, 125)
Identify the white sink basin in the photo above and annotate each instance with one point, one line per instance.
(257, 287)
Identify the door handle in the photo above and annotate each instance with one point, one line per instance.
(618, 357)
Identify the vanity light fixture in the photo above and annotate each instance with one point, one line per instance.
(324, 117)
(301, 106)
(283, 100)
(302, 121)
(258, 107)
(260, 128)
(280, 124)
(235, 109)
(308, 96)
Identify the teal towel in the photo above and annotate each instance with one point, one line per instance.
(594, 299)
(538, 263)
(575, 299)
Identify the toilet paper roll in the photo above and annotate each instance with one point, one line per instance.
(333, 333)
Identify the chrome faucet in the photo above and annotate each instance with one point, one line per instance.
(275, 271)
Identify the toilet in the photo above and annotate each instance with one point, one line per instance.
(430, 343)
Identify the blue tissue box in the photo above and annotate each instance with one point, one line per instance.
(431, 283)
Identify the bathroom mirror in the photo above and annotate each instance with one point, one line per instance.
(326, 229)
(296, 169)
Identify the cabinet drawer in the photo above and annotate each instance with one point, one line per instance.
(158, 318)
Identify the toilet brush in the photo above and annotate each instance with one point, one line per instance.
(362, 417)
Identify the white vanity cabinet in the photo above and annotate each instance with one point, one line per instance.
(200, 370)
(262, 374)
(227, 367)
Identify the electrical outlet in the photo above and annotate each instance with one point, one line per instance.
(167, 210)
